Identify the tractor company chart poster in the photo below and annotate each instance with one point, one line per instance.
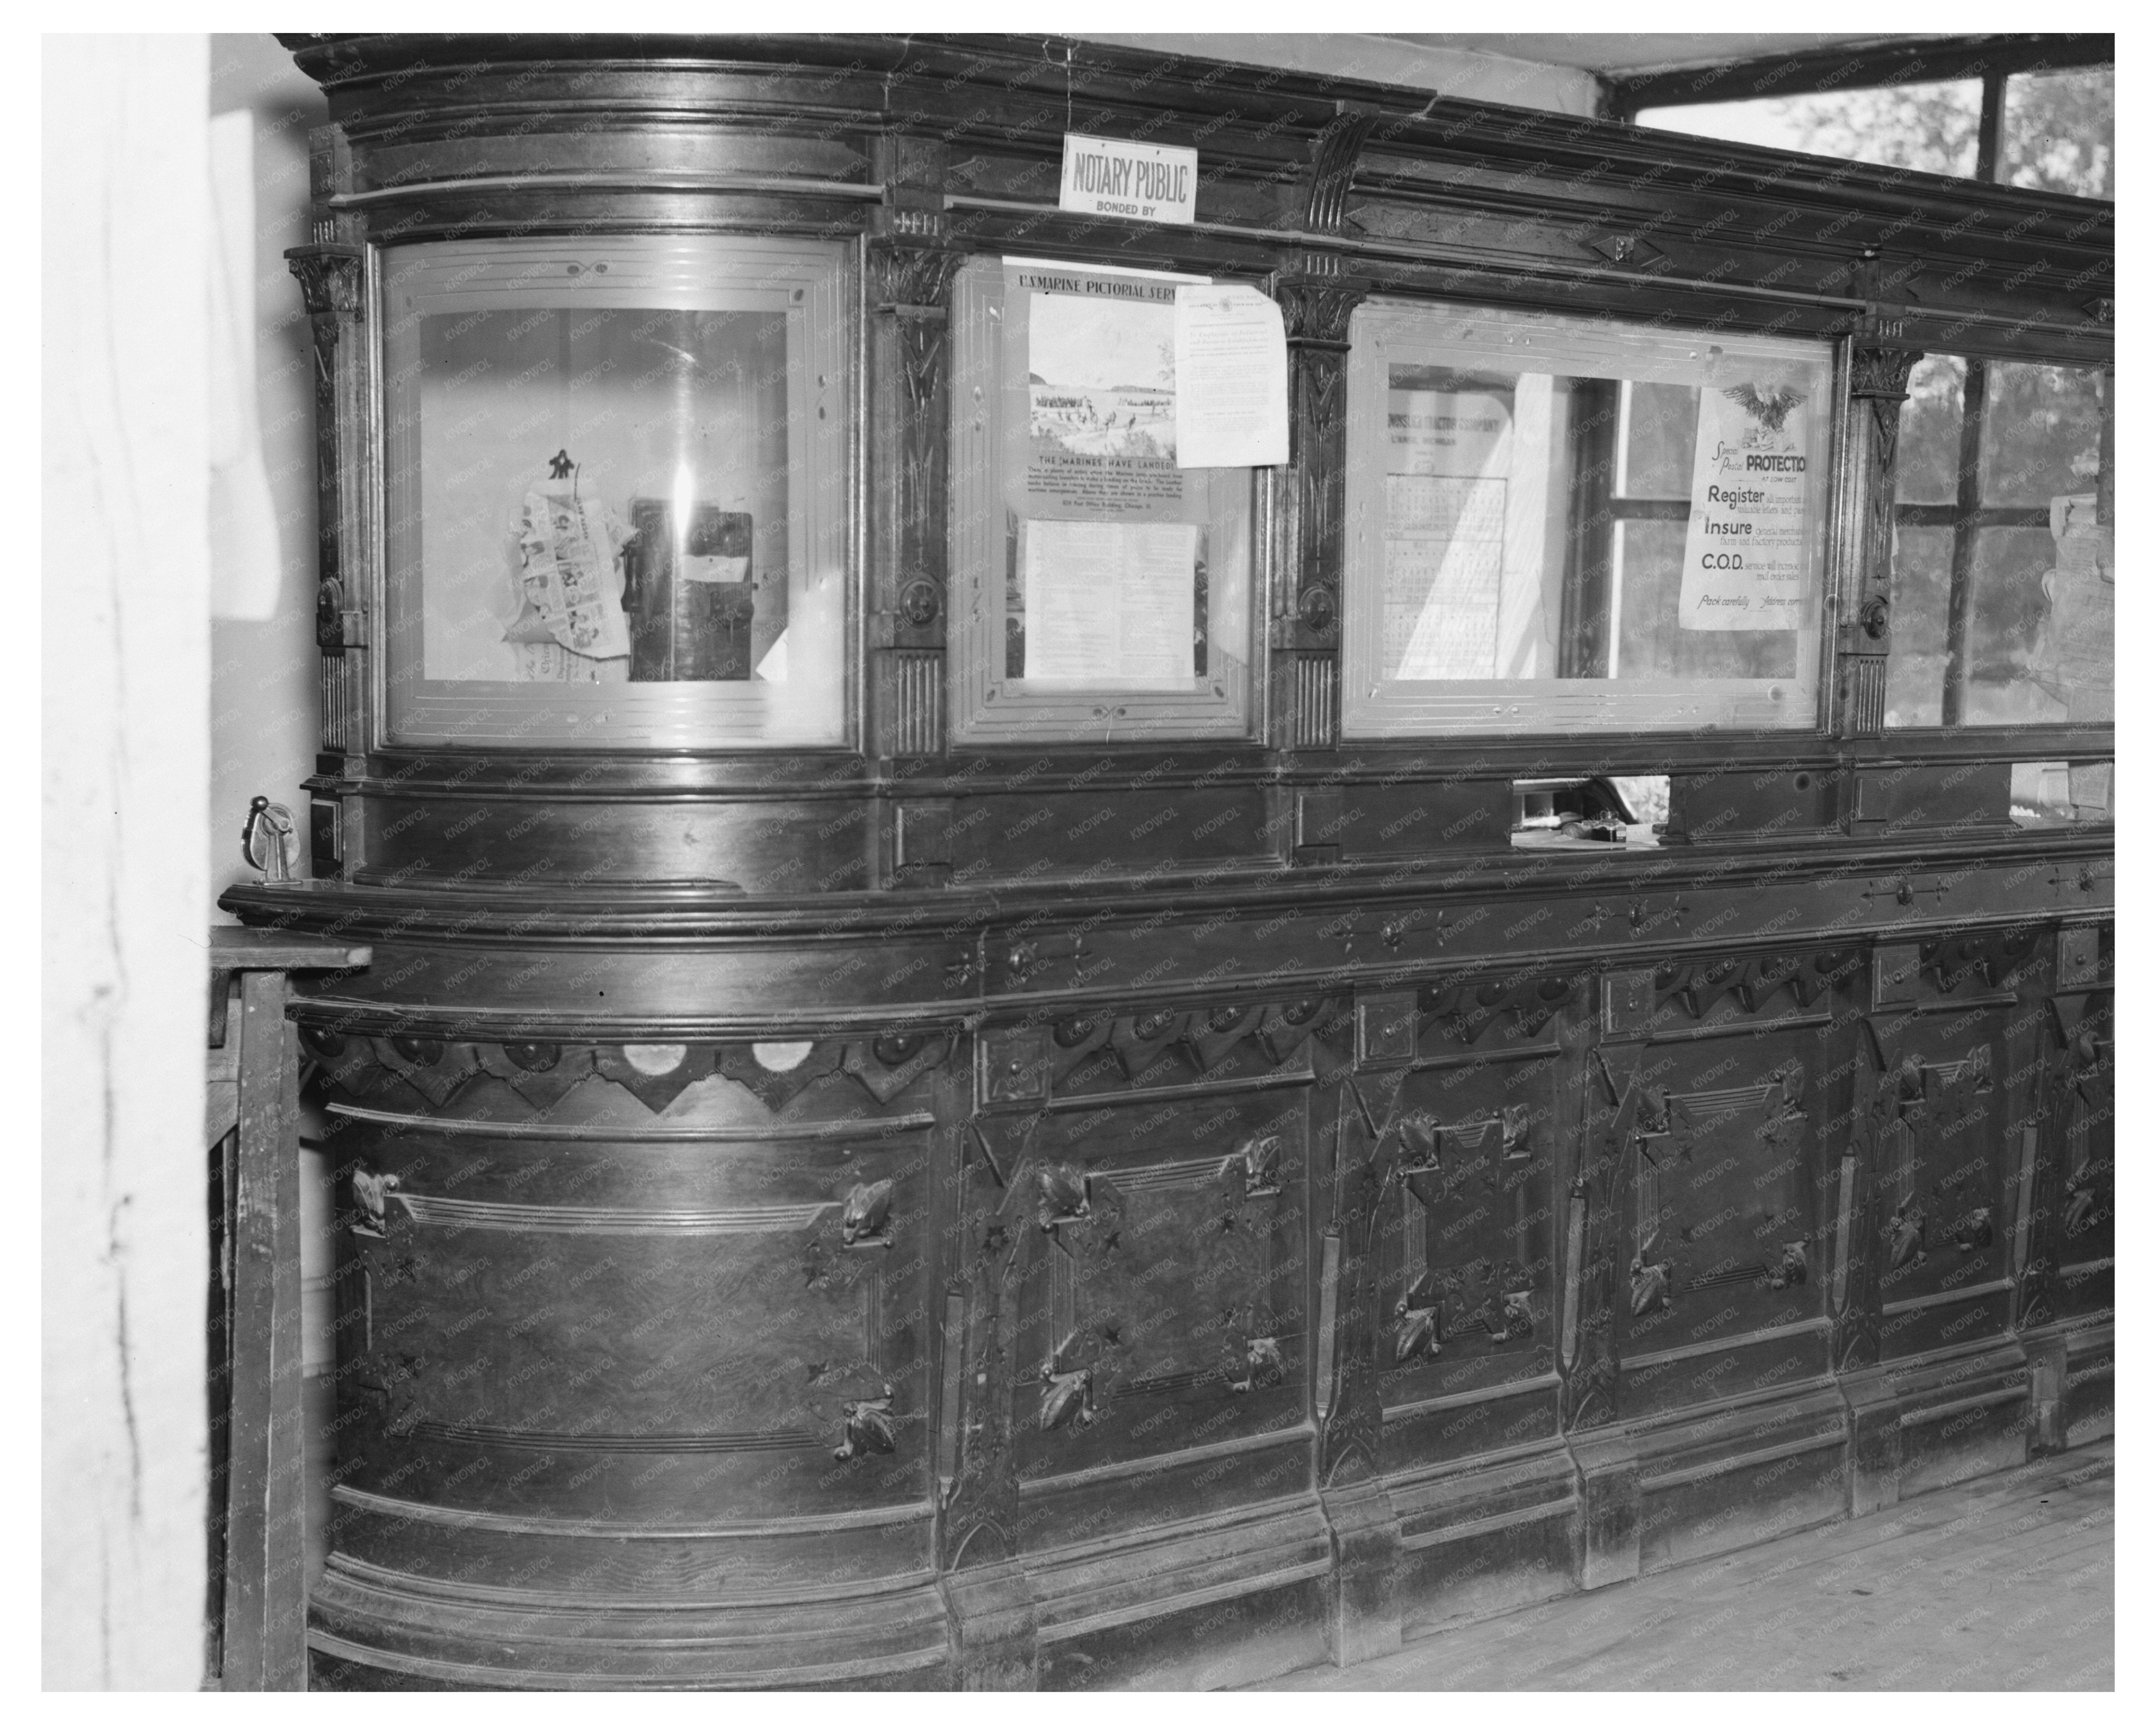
(1450, 459)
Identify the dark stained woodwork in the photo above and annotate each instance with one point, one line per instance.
(1050, 1215)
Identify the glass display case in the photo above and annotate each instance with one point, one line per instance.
(1559, 526)
(1101, 591)
(616, 493)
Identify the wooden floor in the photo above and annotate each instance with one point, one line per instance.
(2004, 1583)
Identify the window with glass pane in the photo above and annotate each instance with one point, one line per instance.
(2059, 131)
(1556, 524)
(616, 489)
(1931, 127)
(2002, 565)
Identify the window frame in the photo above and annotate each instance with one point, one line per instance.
(667, 271)
(1375, 708)
(1969, 516)
(1993, 61)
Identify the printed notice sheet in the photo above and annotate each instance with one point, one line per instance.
(1111, 603)
(1745, 542)
(1450, 458)
(1231, 378)
(1097, 353)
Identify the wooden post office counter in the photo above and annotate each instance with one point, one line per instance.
(993, 1062)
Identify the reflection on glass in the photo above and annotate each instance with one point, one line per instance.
(1917, 666)
(1647, 574)
(2017, 675)
(2003, 569)
(2059, 132)
(1929, 457)
(1557, 525)
(606, 499)
(1660, 427)
(2043, 432)
(1930, 127)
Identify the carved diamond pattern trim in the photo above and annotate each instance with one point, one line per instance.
(436, 1069)
(642, 1070)
(1073, 1042)
(1140, 1039)
(1995, 960)
(775, 1089)
(1466, 1010)
(890, 1066)
(541, 1073)
(1283, 1029)
(1213, 1036)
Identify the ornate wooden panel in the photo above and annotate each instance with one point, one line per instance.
(1467, 1297)
(1160, 1316)
(1724, 1233)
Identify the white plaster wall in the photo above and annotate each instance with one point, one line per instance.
(126, 714)
(265, 689)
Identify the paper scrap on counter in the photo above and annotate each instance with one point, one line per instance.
(1112, 603)
(1231, 379)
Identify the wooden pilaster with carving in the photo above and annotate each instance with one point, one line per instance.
(1312, 552)
(332, 277)
(984, 1583)
(1364, 1618)
(910, 267)
(1878, 385)
(1589, 1238)
(1368, 1155)
(1853, 1293)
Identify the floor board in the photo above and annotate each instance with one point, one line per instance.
(2000, 1583)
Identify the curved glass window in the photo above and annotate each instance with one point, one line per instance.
(616, 493)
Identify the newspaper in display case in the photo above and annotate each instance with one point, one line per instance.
(1110, 601)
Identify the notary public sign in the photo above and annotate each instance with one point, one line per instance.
(1113, 176)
